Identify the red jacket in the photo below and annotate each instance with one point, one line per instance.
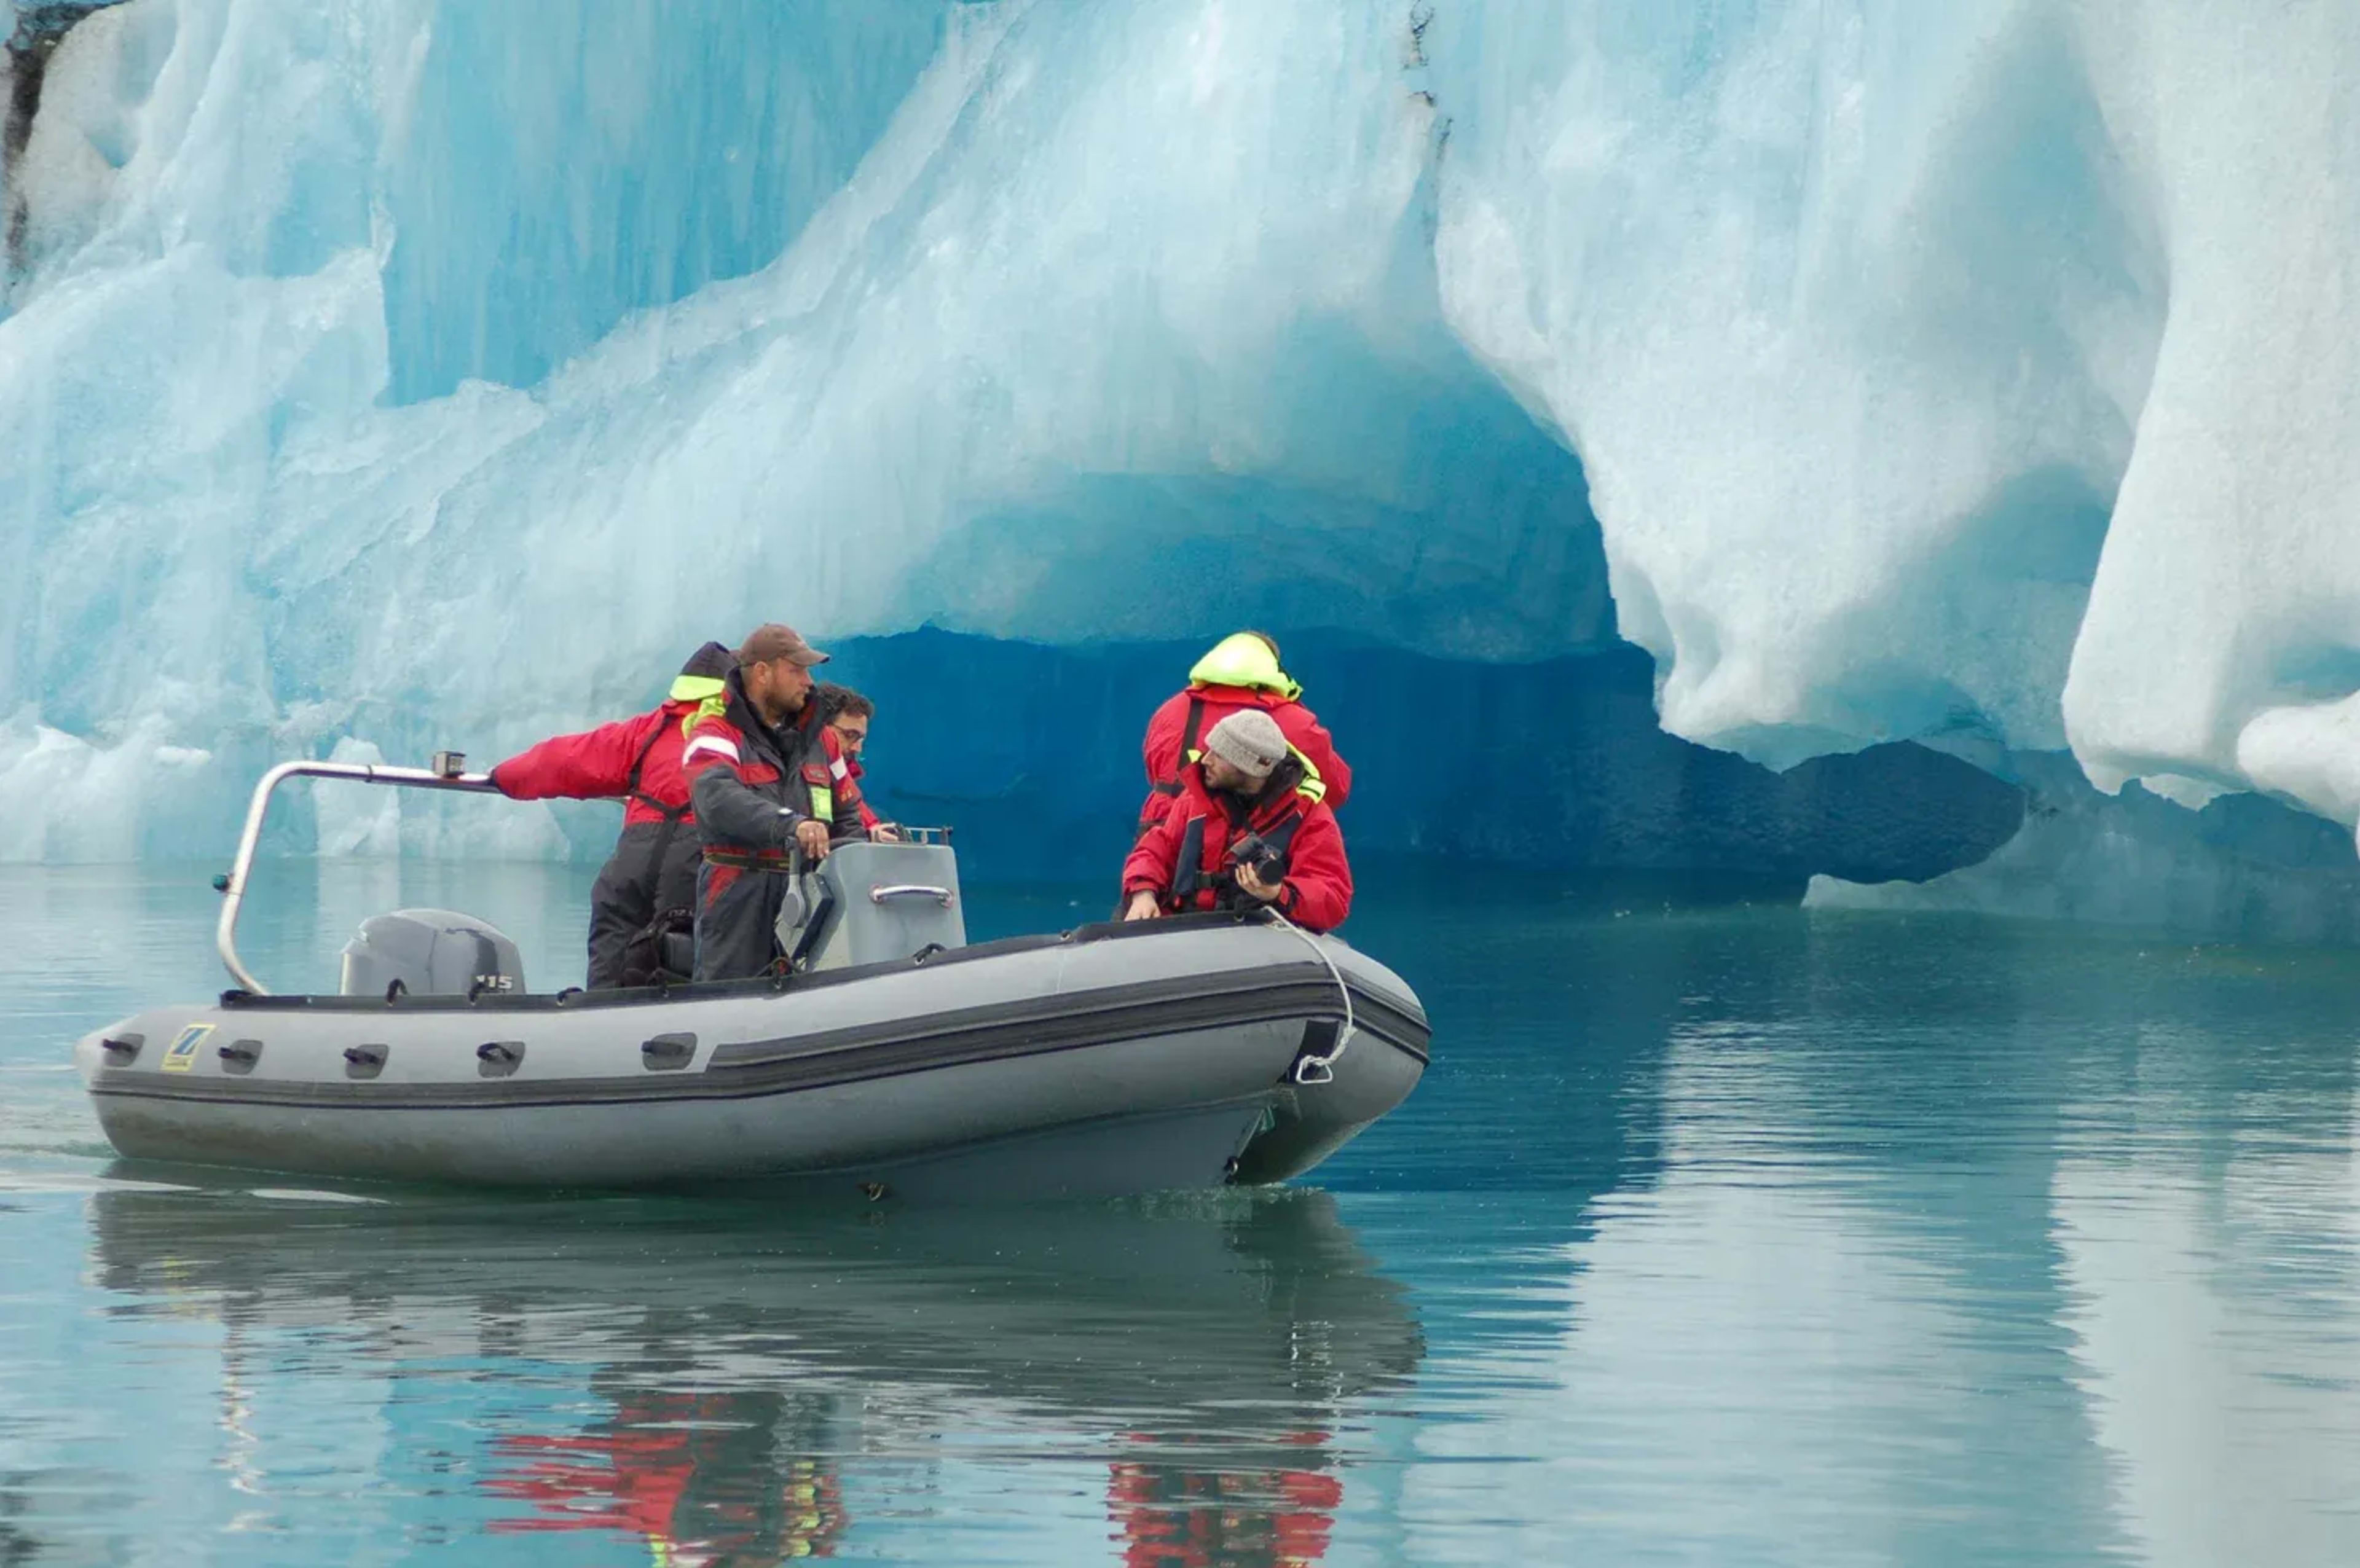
(596, 765)
(1318, 891)
(1168, 738)
(868, 817)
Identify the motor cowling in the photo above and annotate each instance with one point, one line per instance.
(430, 953)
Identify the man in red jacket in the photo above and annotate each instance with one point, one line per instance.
(1244, 832)
(1242, 671)
(846, 713)
(653, 869)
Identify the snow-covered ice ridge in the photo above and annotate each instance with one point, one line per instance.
(1966, 372)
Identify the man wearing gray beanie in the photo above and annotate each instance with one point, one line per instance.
(1244, 833)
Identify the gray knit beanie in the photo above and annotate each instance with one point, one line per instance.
(1251, 740)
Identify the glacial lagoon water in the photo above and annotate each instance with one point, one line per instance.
(1719, 1232)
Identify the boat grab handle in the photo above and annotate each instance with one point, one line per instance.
(911, 890)
(445, 775)
(1309, 1070)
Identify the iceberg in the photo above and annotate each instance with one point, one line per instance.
(427, 373)
(990, 385)
(1850, 312)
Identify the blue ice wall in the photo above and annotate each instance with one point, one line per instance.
(1031, 752)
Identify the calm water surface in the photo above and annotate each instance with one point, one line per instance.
(1716, 1234)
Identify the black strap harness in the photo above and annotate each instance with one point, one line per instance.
(638, 765)
(1189, 738)
(672, 815)
(1188, 877)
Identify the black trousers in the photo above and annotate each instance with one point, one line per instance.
(737, 928)
(650, 871)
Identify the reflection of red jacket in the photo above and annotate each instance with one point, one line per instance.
(1168, 738)
(625, 1480)
(596, 765)
(1317, 892)
(665, 1468)
(1175, 1516)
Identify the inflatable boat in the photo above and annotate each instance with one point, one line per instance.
(890, 1057)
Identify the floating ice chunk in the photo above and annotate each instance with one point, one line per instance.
(63, 798)
(2243, 868)
(312, 1195)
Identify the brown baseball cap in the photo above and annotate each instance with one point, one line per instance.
(770, 641)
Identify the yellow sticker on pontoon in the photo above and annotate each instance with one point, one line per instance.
(182, 1051)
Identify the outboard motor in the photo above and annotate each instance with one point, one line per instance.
(430, 952)
(869, 903)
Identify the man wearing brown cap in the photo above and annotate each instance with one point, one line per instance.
(767, 779)
(1244, 833)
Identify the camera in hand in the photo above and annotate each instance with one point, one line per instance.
(1269, 861)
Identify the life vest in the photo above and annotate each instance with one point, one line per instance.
(1244, 659)
(1240, 671)
(688, 693)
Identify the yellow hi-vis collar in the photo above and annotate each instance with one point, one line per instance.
(1242, 659)
(709, 708)
(1313, 789)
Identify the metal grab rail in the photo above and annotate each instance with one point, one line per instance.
(911, 890)
(233, 886)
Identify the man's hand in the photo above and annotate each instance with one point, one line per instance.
(1250, 884)
(884, 832)
(1143, 907)
(811, 837)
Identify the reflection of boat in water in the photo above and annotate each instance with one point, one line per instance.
(1245, 1299)
(888, 1056)
(1212, 1342)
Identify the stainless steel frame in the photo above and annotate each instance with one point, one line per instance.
(233, 886)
